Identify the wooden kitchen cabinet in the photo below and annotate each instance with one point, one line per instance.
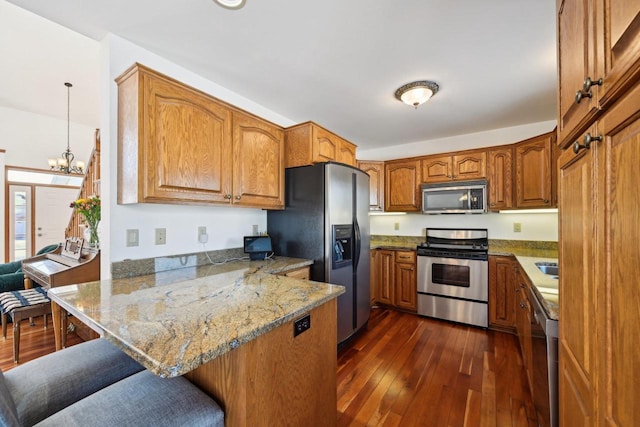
(596, 40)
(303, 273)
(524, 318)
(384, 276)
(599, 231)
(577, 206)
(402, 179)
(179, 145)
(258, 159)
(406, 291)
(395, 277)
(375, 170)
(533, 173)
(500, 178)
(464, 165)
(502, 293)
(309, 143)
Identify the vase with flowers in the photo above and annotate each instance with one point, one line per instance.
(89, 208)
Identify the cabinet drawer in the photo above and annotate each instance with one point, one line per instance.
(405, 257)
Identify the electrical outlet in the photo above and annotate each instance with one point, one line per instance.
(161, 236)
(517, 227)
(301, 325)
(133, 237)
(254, 229)
(203, 237)
(396, 226)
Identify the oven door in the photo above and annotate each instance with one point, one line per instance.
(451, 277)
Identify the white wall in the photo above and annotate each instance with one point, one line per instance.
(30, 139)
(535, 226)
(460, 142)
(225, 225)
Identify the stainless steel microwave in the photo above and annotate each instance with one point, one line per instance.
(455, 197)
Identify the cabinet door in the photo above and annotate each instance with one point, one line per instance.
(469, 165)
(258, 178)
(533, 173)
(325, 145)
(402, 186)
(375, 170)
(346, 153)
(373, 276)
(385, 277)
(500, 178)
(502, 295)
(621, 48)
(617, 289)
(576, 61)
(187, 145)
(406, 280)
(577, 215)
(437, 168)
(523, 324)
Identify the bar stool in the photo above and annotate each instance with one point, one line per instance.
(19, 305)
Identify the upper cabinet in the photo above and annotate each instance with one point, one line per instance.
(464, 165)
(179, 145)
(533, 175)
(258, 158)
(308, 143)
(500, 178)
(402, 186)
(375, 170)
(598, 59)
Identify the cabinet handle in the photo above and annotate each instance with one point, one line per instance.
(522, 285)
(522, 305)
(588, 83)
(545, 200)
(238, 197)
(586, 89)
(404, 257)
(227, 196)
(588, 139)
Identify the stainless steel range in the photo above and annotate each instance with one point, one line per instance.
(453, 275)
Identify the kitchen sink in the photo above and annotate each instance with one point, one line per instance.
(548, 268)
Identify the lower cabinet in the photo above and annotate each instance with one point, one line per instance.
(502, 293)
(395, 279)
(523, 323)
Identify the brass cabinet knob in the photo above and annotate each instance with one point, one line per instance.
(227, 196)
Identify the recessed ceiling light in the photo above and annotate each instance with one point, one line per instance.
(231, 4)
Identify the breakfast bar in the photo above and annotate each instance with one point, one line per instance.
(260, 343)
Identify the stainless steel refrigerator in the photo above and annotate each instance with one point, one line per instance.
(326, 219)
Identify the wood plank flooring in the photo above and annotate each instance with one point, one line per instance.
(403, 370)
(413, 371)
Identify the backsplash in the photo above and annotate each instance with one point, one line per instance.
(496, 246)
(142, 267)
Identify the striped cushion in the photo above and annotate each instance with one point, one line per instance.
(9, 301)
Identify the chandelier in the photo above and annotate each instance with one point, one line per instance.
(65, 163)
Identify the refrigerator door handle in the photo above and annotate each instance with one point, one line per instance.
(358, 237)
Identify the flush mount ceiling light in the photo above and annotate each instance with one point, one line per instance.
(416, 93)
(230, 4)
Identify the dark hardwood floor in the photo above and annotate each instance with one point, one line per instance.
(403, 370)
(406, 370)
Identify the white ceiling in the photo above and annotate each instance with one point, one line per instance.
(336, 62)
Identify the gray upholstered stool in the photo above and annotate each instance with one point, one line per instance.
(35, 390)
(19, 305)
(95, 384)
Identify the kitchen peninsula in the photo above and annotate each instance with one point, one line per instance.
(230, 330)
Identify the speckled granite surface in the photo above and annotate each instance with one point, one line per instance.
(545, 286)
(174, 321)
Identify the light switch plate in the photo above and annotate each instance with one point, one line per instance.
(517, 227)
(133, 237)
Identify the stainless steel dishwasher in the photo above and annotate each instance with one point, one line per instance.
(544, 345)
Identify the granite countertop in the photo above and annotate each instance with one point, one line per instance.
(174, 321)
(545, 287)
